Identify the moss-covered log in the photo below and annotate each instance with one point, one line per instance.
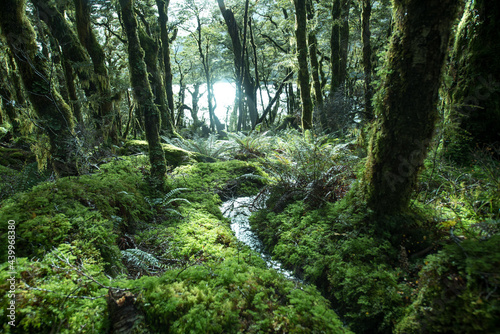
(143, 94)
(406, 103)
(54, 114)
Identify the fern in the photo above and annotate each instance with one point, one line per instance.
(142, 260)
(253, 144)
(211, 146)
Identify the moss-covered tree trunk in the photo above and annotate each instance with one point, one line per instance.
(143, 94)
(73, 52)
(366, 9)
(96, 52)
(11, 94)
(54, 114)
(335, 47)
(245, 83)
(303, 73)
(474, 97)
(313, 51)
(406, 104)
(155, 79)
(165, 50)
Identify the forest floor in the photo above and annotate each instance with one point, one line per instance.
(103, 243)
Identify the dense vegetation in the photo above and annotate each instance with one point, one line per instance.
(374, 166)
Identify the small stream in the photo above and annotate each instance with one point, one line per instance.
(239, 211)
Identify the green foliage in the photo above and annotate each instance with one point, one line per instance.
(13, 181)
(69, 300)
(253, 145)
(210, 147)
(309, 168)
(469, 194)
(458, 291)
(352, 268)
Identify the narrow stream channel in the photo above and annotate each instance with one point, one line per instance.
(238, 210)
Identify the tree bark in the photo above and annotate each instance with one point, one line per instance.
(313, 51)
(165, 49)
(303, 73)
(367, 57)
(215, 124)
(54, 114)
(89, 41)
(72, 49)
(335, 47)
(241, 66)
(473, 98)
(407, 103)
(143, 95)
(150, 48)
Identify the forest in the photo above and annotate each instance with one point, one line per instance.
(250, 166)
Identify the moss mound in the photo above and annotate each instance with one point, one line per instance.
(174, 155)
(194, 276)
(458, 291)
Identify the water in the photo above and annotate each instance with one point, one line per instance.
(239, 211)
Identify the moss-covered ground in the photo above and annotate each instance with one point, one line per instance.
(80, 238)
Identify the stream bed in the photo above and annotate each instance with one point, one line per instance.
(239, 211)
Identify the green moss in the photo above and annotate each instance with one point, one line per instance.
(458, 291)
(174, 156)
(227, 178)
(49, 293)
(350, 267)
(233, 297)
(209, 283)
(92, 207)
(15, 158)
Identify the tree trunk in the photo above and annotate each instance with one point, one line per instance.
(344, 41)
(143, 95)
(407, 104)
(313, 51)
(473, 98)
(72, 50)
(165, 49)
(54, 114)
(367, 57)
(335, 47)
(241, 66)
(303, 73)
(215, 124)
(155, 80)
(89, 41)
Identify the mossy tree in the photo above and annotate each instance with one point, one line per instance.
(366, 10)
(406, 102)
(55, 116)
(151, 50)
(303, 73)
(473, 98)
(245, 83)
(339, 41)
(74, 55)
(143, 94)
(165, 51)
(89, 40)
